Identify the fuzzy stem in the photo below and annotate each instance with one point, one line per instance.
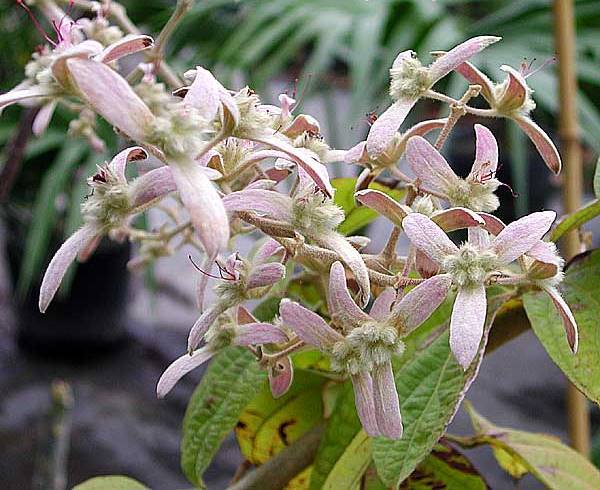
(432, 94)
(457, 110)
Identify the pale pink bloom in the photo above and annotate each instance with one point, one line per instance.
(512, 99)
(470, 266)
(476, 191)
(410, 80)
(362, 344)
(133, 198)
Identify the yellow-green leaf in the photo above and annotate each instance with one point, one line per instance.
(115, 482)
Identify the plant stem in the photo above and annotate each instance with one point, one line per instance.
(564, 34)
(457, 110)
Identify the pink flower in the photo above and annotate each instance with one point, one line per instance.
(362, 345)
(470, 266)
(512, 99)
(410, 80)
(476, 191)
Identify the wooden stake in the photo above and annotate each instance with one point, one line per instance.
(564, 25)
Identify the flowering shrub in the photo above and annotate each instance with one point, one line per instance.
(355, 338)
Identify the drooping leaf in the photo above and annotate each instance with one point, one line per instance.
(115, 482)
(446, 468)
(267, 425)
(232, 378)
(576, 219)
(430, 386)
(553, 463)
(597, 180)
(581, 294)
(357, 217)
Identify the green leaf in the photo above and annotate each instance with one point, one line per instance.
(597, 180)
(267, 425)
(580, 290)
(357, 217)
(232, 378)
(430, 386)
(111, 483)
(576, 219)
(267, 310)
(343, 428)
(446, 468)
(553, 463)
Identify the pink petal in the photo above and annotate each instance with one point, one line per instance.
(542, 142)
(259, 333)
(201, 326)
(382, 305)
(300, 124)
(42, 119)
(456, 219)
(286, 103)
(244, 316)
(179, 368)
(466, 324)
(277, 174)
(341, 304)
(365, 405)
(430, 166)
(384, 205)
(268, 203)
(353, 260)
(425, 235)
(424, 127)
(86, 252)
(121, 159)
(547, 263)
(83, 50)
(316, 171)
(384, 129)
(266, 275)
(203, 94)
(357, 154)
(521, 235)
(475, 77)
(281, 376)
(271, 248)
(486, 153)
(386, 403)
(18, 95)
(307, 325)
(59, 264)
(111, 96)
(458, 55)
(478, 237)
(420, 302)
(204, 206)
(132, 43)
(425, 266)
(515, 92)
(152, 185)
(569, 322)
(492, 224)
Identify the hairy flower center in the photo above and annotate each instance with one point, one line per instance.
(109, 203)
(314, 213)
(253, 118)
(313, 142)
(470, 266)
(475, 195)
(409, 80)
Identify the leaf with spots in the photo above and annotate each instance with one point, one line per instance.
(580, 291)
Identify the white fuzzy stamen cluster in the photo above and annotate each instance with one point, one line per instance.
(233, 151)
(315, 214)
(470, 266)
(99, 29)
(109, 204)
(475, 195)
(409, 80)
(155, 96)
(254, 118)
(423, 205)
(313, 142)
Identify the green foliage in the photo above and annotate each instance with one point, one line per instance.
(553, 463)
(110, 483)
(357, 217)
(580, 288)
(430, 386)
(232, 378)
(597, 180)
(576, 219)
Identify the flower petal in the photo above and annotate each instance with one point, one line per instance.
(547, 263)
(515, 90)
(521, 235)
(268, 250)
(307, 325)
(425, 235)
(492, 224)
(265, 202)
(300, 124)
(281, 376)
(430, 166)
(121, 159)
(357, 154)
(201, 326)
(244, 316)
(542, 142)
(365, 405)
(486, 153)
(83, 50)
(386, 403)
(458, 55)
(341, 305)
(384, 129)
(59, 264)
(132, 43)
(425, 266)
(203, 94)
(569, 322)
(111, 96)
(266, 275)
(42, 119)
(383, 204)
(382, 305)
(466, 324)
(259, 333)
(179, 368)
(153, 185)
(203, 204)
(420, 302)
(475, 77)
(21, 94)
(456, 219)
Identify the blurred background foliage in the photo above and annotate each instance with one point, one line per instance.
(327, 45)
